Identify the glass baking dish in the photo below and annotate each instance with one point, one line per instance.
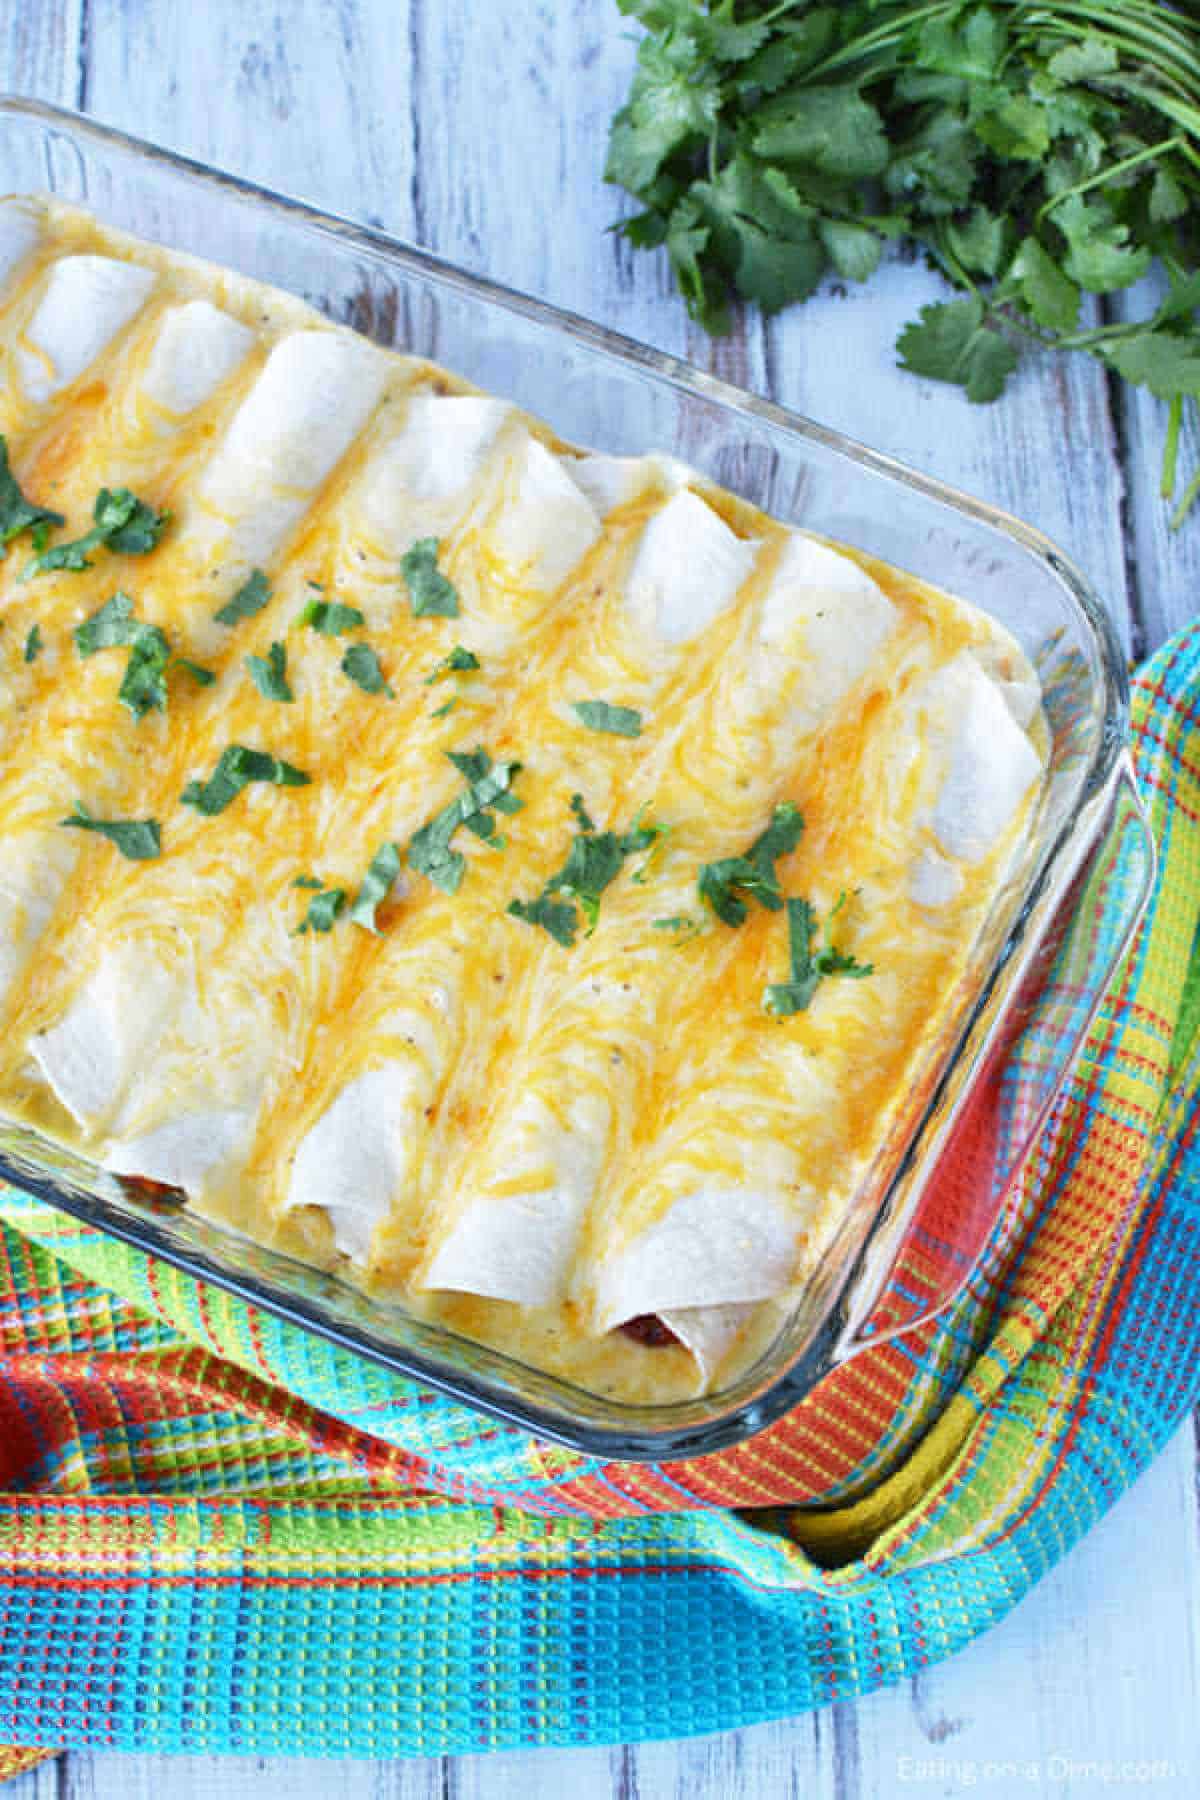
(921, 1219)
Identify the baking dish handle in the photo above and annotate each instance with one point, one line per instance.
(961, 1204)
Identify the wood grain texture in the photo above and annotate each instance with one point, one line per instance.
(478, 129)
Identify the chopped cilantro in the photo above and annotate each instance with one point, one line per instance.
(376, 885)
(33, 644)
(682, 924)
(361, 665)
(752, 875)
(331, 618)
(619, 721)
(113, 625)
(809, 969)
(269, 674)
(143, 688)
(250, 598)
(122, 523)
(17, 514)
(200, 675)
(430, 595)
(488, 787)
(447, 706)
(137, 839)
(323, 909)
(236, 769)
(459, 662)
(594, 861)
(558, 917)
(306, 881)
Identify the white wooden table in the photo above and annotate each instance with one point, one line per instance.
(477, 127)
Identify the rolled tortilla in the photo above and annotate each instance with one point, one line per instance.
(544, 524)
(686, 570)
(197, 347)
(613, 481)
(716, 1246)
(518, 1243)
(182, 1153)
(982, 763)
(358, 1156)
(438, 454)
(708, 1332)
(96, 1049)
(34, 868)
(87, 301)
(311, 400)
(823, 623)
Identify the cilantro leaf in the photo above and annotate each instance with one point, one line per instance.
(33, 644)
(723, 884)
(122, 523)
(112, 625)
(1099, 255)
(458, 662)
(376, 885)
(138, 839)
(306, 881)
(488, 786)
(809, 969)
(832, 129)
(269, 674)
(331, 618)
(143, 687)
(361, 665)
(599, 715)
(558, 917)
(1051, 296)
(323, 909)
(430, 595)
(236, 768)
(200, 675)
(17, 514)
(250, 598)
(1084, 61)
(682, 925)
(594, 861)
(1166, 362)
(853, 249)
(953, 343)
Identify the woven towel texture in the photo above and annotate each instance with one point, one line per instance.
(218, 1533)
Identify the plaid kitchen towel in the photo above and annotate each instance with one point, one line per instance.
(218, 1533)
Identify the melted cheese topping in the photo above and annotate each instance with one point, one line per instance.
(532, 1143)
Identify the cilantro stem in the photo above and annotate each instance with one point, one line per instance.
(1191, 494)
(1170, 463)
(1151, 154)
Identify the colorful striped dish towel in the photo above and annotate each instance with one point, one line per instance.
(218, 1533)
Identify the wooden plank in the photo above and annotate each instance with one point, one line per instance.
(1164, 565)
(39, 1783)
(247, 1778)
(312, 98)
(40, 52)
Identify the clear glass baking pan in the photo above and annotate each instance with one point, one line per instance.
(917, 1227)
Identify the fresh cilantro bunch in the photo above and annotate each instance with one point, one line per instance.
(1037, 153)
